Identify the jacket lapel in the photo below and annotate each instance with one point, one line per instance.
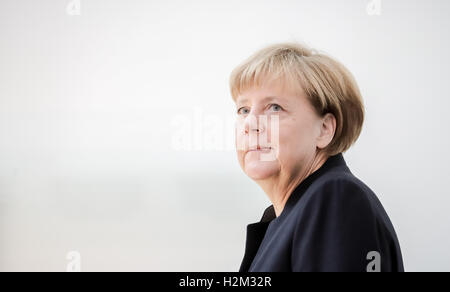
(255, 235)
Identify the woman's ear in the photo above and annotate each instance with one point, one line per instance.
(327, 130)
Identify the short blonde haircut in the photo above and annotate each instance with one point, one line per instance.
(328, 85)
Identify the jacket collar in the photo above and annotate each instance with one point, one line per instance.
(256, 231)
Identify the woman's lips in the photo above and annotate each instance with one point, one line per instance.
(259, 149)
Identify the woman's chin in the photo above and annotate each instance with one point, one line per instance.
(259, 170)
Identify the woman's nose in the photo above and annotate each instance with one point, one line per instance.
(253, 130)
(254, 124)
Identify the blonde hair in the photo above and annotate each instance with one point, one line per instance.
(328, 85)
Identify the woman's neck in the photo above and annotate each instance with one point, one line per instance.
(280, 186)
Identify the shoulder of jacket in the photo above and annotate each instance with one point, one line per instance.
(339, 189)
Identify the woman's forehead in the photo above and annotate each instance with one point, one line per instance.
(261, 98)
(269, 93)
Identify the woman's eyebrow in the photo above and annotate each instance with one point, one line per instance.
(270, 98)
(265, 99)
(277, 99)
(241, 100)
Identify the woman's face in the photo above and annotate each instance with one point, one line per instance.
(282, 123)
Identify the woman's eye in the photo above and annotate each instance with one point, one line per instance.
(275, 107)
(242, 111)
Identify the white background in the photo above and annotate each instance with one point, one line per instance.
(87, 110)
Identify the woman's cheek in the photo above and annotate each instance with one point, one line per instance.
(239, 140)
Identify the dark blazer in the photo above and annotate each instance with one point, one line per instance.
(332, 221)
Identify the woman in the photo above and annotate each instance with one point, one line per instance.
(297, 112)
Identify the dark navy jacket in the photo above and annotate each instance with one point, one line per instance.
(332, 221)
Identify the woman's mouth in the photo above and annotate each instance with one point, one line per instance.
(260, 149)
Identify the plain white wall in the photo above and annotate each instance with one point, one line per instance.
(92, 108)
